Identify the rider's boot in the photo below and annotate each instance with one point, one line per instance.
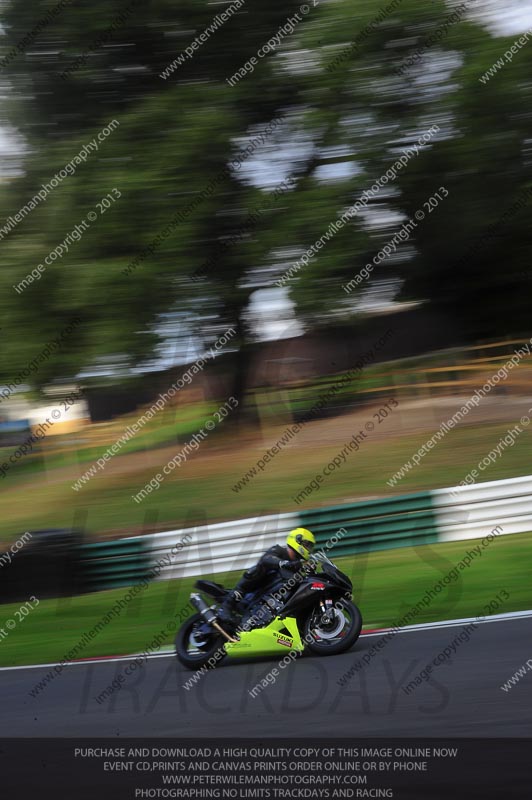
(226, 612)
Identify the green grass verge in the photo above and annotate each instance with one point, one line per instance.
(201, 491)
(387, 585)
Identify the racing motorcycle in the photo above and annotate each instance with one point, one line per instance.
(311, 611)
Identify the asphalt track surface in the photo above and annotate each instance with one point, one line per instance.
(463, 699)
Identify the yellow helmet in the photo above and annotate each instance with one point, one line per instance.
(302, 541)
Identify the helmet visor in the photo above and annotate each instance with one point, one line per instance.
(307, 544)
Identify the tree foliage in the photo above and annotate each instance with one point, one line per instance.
(347, 112)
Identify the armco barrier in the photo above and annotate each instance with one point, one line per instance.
(107, 565)
(223, 547)
(442, 515)
(424, 518)
(375, 524)
(470, 512)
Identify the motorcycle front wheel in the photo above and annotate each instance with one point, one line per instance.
(328, 635)
(194, 648)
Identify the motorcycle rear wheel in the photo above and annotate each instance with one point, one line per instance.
(193, 649)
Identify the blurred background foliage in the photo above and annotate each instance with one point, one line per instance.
(343, 124)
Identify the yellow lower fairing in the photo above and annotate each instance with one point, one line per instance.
(280, 636)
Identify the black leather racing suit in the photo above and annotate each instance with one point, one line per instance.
(264, 569)
(257, 576)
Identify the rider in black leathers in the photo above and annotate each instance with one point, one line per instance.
(292, 556)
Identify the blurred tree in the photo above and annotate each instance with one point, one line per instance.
(473, 253)
(176, 140)
(348, 108)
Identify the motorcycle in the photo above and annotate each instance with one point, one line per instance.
(312, 610)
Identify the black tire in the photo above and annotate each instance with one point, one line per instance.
(213, 646)
(334, 647)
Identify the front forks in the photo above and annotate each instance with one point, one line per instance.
(327, 610)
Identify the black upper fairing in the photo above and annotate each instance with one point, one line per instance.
(312, 589)
(331, 571)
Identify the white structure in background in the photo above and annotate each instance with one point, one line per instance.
(67, 411)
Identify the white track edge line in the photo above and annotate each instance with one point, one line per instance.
(511, 615)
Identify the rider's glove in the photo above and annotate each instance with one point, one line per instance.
(292, 566)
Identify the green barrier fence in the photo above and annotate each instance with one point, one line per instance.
(375, 524)
(107, 565)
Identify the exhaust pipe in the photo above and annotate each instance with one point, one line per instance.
(200, 605)
(208, 615)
